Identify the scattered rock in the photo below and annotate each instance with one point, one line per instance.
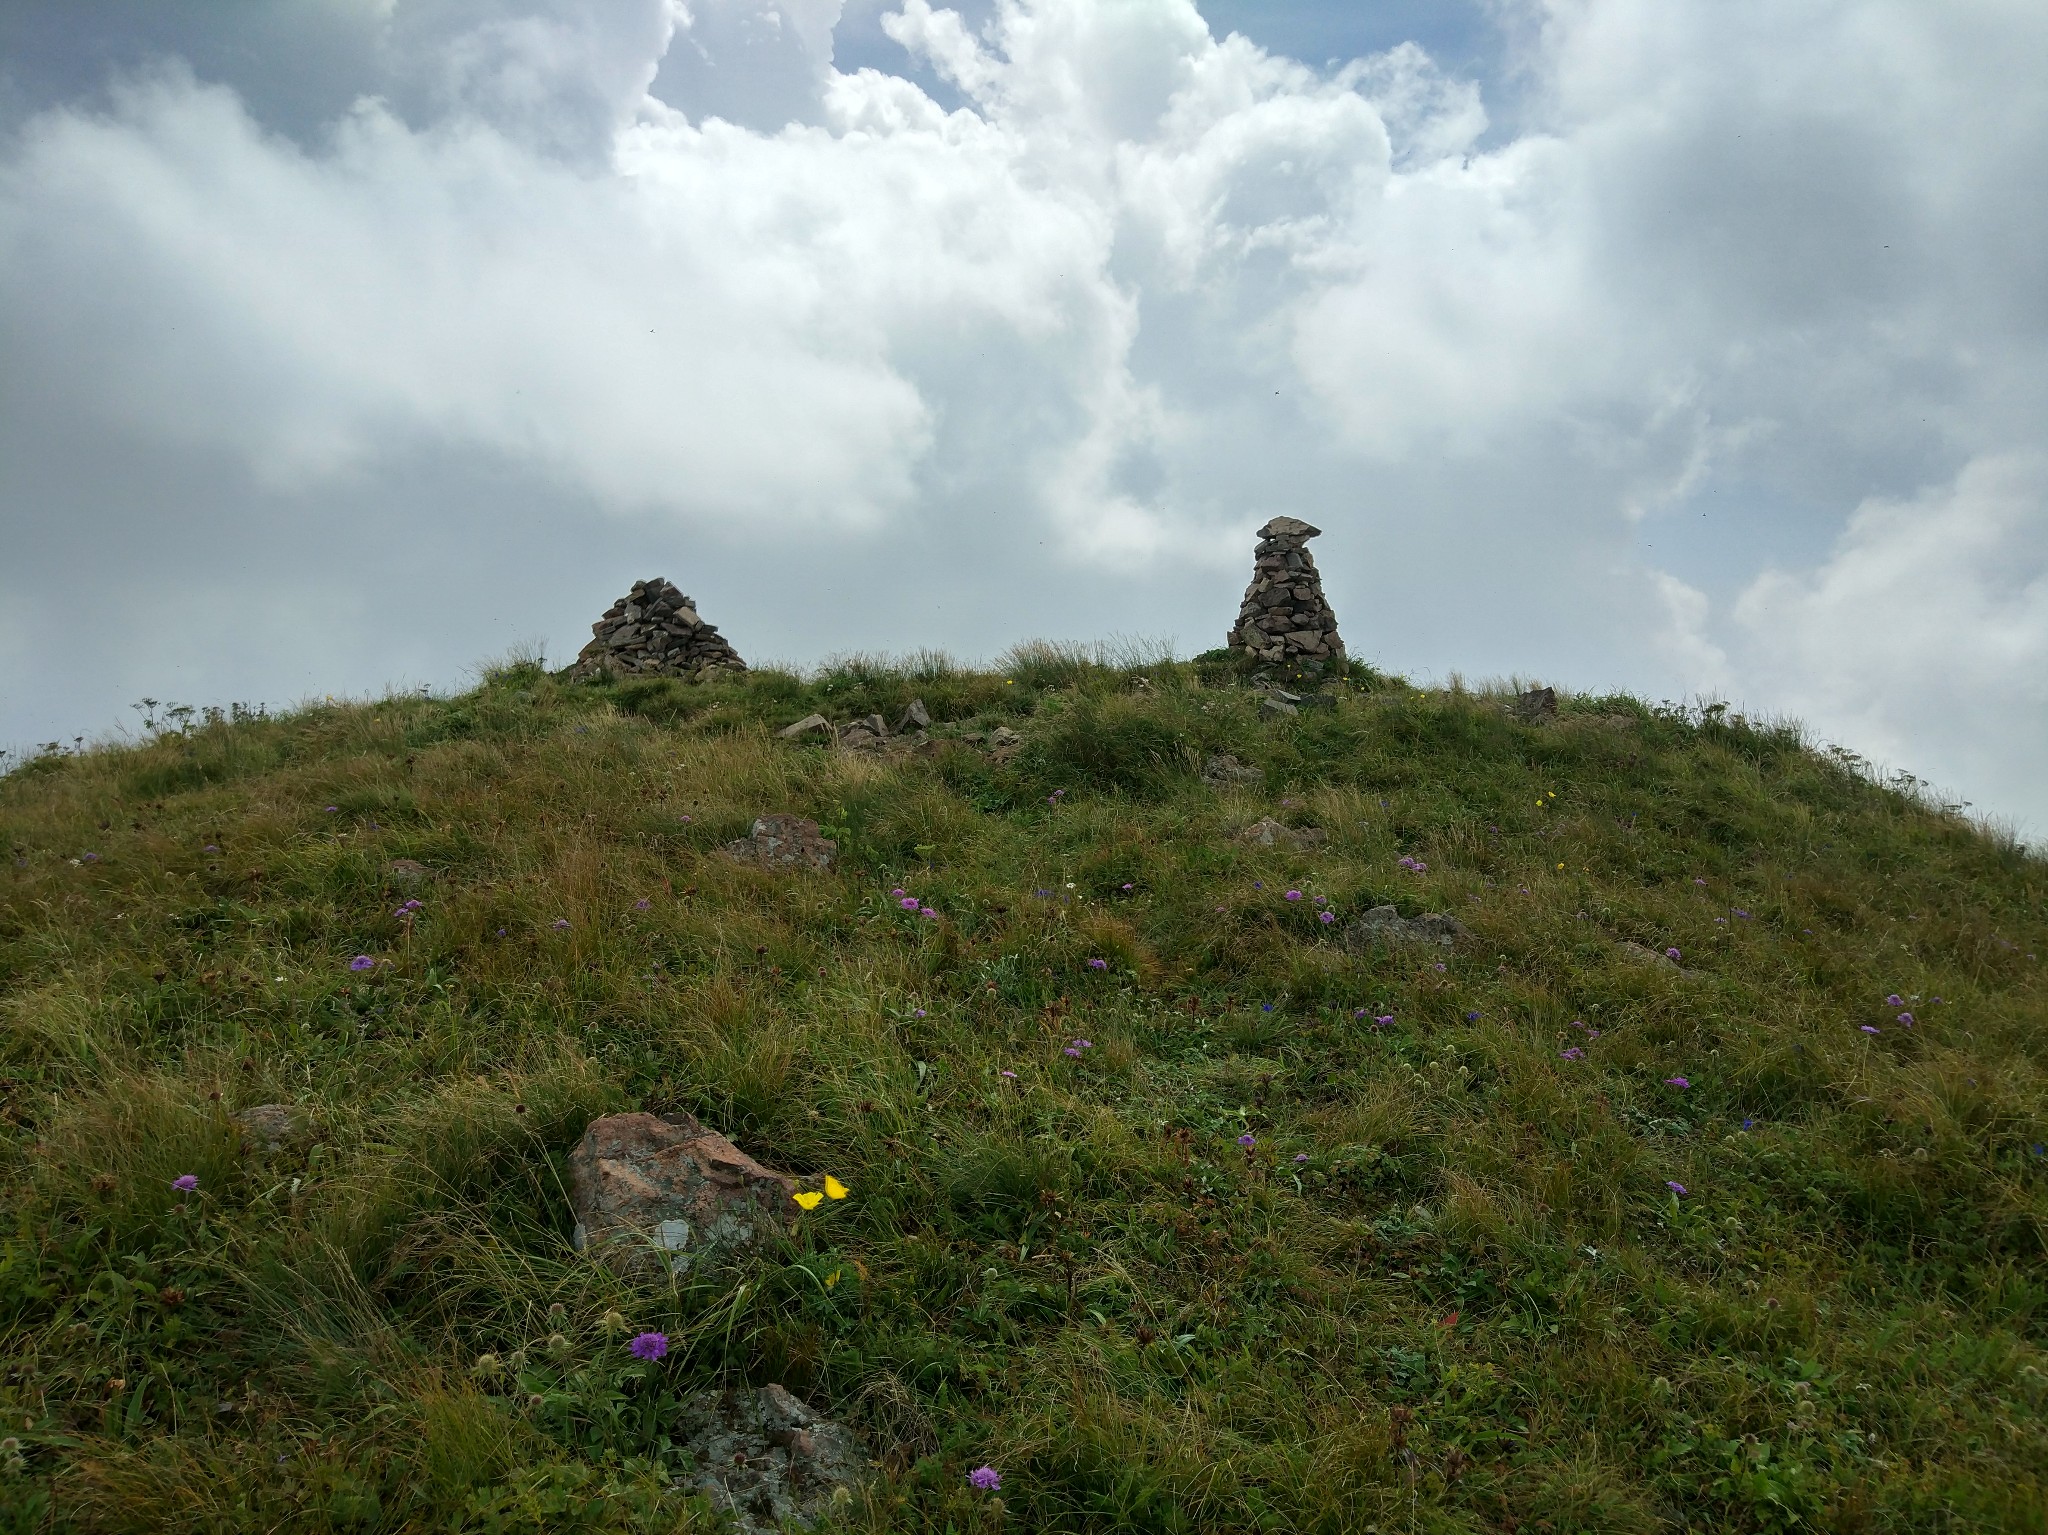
(766, 1459)
(1003, 738)
(1268, 832)
(868, 734)
(269, 1127)
(655, 631)
(1285, 616)
(809, 725)
(784, 842)
(409, 872)
(1385, 923)
(1275, 707)
(1536, 704)
(644, 1187)
(916, 717)
(1652, 958)
(1223, 769)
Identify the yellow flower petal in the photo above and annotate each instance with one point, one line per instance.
(834, 1188)
(809, 1201)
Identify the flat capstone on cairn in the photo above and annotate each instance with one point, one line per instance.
(1286, 619)
(655, 631)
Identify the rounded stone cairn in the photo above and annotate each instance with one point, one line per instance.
(655, 631)
(1285, 618)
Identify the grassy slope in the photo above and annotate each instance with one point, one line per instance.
(1475, 1305)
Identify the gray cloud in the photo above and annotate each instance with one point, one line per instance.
(328, 377)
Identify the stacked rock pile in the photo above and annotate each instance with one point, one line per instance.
(654, 630)
(1285, 617)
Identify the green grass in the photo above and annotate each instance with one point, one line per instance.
(1446, 1289)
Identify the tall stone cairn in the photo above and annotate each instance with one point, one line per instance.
(654, 631)
(1285, 617)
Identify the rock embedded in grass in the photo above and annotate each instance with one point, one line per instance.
(267, 1128)
(1223, 770)
(767, 1460)
(1267, 832)
(784, 842)
(650, 1190)
(809, 725)
(1536, 704)
(1385, 924)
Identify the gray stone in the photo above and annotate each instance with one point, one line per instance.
(409, 872)
(268, 1128)
(916, 717)
(1268, 832)
(1536, 704)
(1386, 924)
(784, 842)
(1289, 527)
(1224, 769)
(766, 1460)
(1649, 958)
(1003, 738)
(809, 725)
(649, 1192)
(1277, 709)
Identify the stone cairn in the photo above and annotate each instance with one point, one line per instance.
(654, 631)
(1285, 617)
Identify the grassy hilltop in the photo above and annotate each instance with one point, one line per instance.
(1310, 1237)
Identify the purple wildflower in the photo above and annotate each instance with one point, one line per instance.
(1084, 1044)
(1008, 1073)
(1294, 895)
(1740, 913)
(1672, 955)
(559, 923)
(1472, 1017)
(1697, 880)
(1748, 1123)
(1894, 1000)
(1676, 1188)
(648, 1345)
(899, 890)
(1384, 1019)
(209, 848)
(1070, 1050)
(1247, 1140)
(1871, 1028)
(1326, 916)
(1676, 1082)
(909, 903)
(928, 912)
(1574, 1053)
(361, 962)
(331, 809)
(1301, 1156)
(185, 1183)
(985, 1478)
(1098, 964)
(642, 904)
(1906, 1019)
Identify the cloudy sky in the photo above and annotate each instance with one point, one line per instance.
(1693, 347)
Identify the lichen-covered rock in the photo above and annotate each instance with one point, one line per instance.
(784, 842)
(1224, 770)
(767, 1460)
(267, 1128)
(1384, 924)
(648, 1190)
(1267, 832)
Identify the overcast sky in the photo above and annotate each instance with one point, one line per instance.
(1692, 347)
